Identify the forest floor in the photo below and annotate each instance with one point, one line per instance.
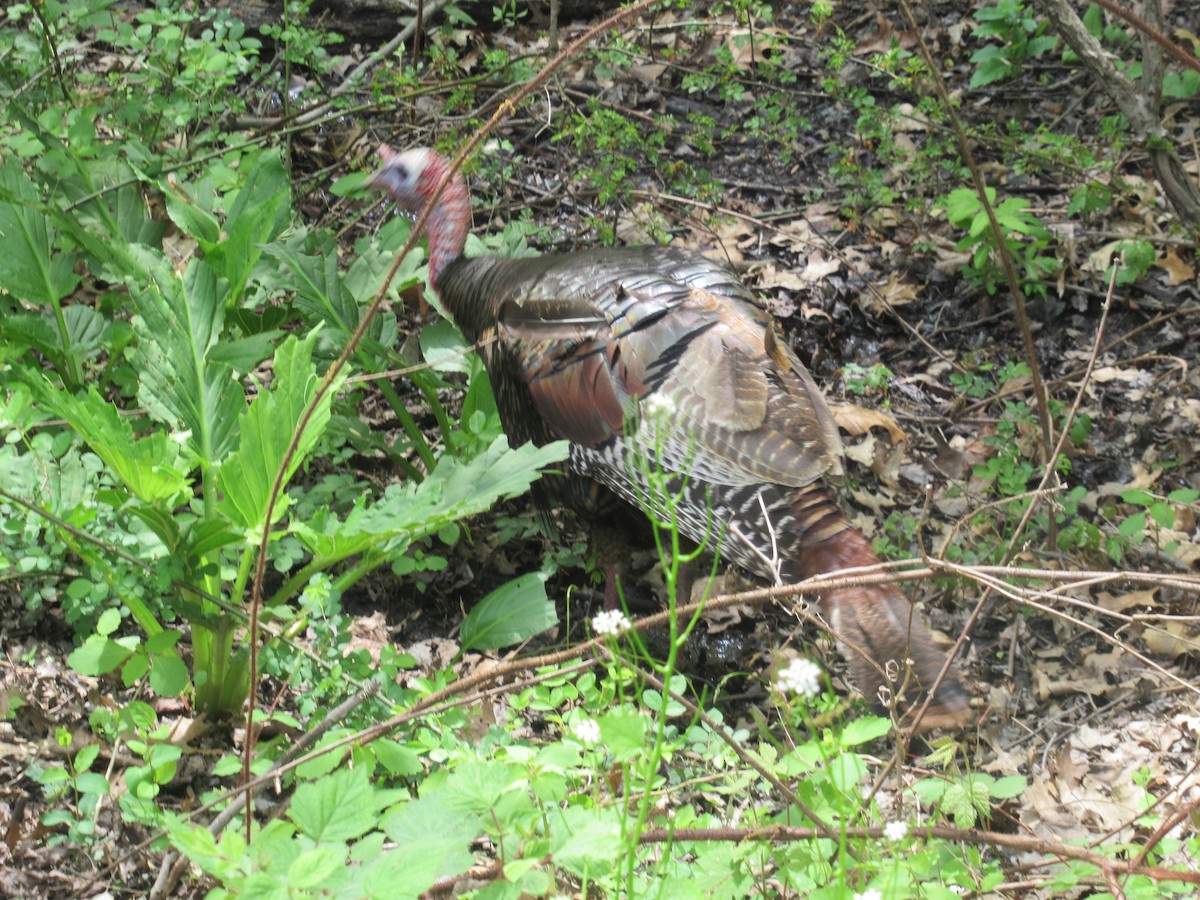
(1085, 691)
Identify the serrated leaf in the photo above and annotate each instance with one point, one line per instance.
(339, 807)
(32, 267)
(434, 842)
(150, 468)
(178, 322)
(266, 431)
(623, 735)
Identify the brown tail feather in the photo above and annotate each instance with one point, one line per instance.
(889, 647)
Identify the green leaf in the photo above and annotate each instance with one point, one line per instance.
(266, 431)
(993, 65)
(512, 613)
(98, 656)
(85, 757)
(962, 205)
(179, 322)
(309, 869)
(434, 840)
(860, 731)
(1133, 526)
(32, 267)
(408, 512)
(109, 621)
(198, 844)
(623, 734)
(338, 807)
(260, 212)
(444, 347)
(590, 842)
(150, 468)
(1007, 787)
(1137, 496)
(168, 675)
(396, 758)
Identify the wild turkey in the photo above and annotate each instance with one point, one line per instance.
(657, 353)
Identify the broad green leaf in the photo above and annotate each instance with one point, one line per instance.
(266, 431)
(168, 675)
(623, 735)
(192, 219)
(149, 467)
(512, 613)
(397, 758)
(312, 867)
(260, 212)
(434, 841)
(244, 354)
(32, 267)
(179, 321)
(198, 844)
(846, 770)
(867, 728)
(326, 295)
(444, 348)
(1007, 787)
(410, 511)
(98, 656)
(590, 842)
(338, 807)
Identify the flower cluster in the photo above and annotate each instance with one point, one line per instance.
(587, 730)
(610, 621)
(801, 677)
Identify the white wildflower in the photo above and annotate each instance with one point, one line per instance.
(659, 407)
(587, 730)
(895, 831)
(956, 889)
(802, 677)
(610, 621)
(869, 894)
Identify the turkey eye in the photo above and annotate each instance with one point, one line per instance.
(401, 172)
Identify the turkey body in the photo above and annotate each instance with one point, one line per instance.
(664, 373)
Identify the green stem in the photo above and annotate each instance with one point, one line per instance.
(412, 431)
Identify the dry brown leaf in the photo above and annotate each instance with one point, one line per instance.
(908, 119)
(1177, 270)
(797, 235)
(894, 292)
(817, 267)
(856, 420)
(647, 74)
(1172, 638)
(1121, 602)
(772, 276)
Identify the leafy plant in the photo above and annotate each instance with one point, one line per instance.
(867, 380)
(968, 798)
(1025, 236)
(1023, 37)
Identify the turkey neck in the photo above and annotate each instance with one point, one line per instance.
(449, 221)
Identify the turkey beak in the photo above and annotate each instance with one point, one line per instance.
(378, 180)
(384, 178)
